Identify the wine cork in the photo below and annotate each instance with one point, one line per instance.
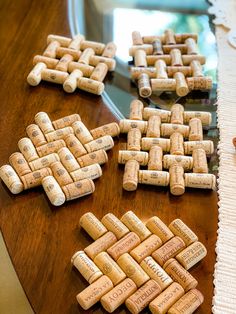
(188, 303)
(199, 161)
(200, 180)
(92, 225)
(157, 226)
(93, 293)
(167, 129)
(134, 139)
(182, 37)
(156, 272)
(157, 47)
(68, 160)
(143, 296)
(66, 121)
(186, 70)
(11, 179)
(76, 42)
(133, 223)
(49, 62)
(33, 179)
(169, 37)
(130, 179)
(180, 274)
(164, 114)
(124, 245)
(74, 145)
(51, 49)
(105, 142)
(84, 68)
(135, 72)
(61, 51)
(91, 86)
(43, 162)
(86, 266)
(35, 75)
(152, 38)
(177, 184)
(99, 72)
(54, 76)
(136, 110)
(63, 63)
(140, 58)
(145, 47)
(183, 161)
(96, 46)
(195, 130)
(168, 250)
(36, 135)
(126, 125)
(132, 269)
(144, 86)
(109, 50)
(64, 41)
(191, 255)
(205, 117)
(163, 84)
(202, 83)
(92, 172)
(176, 57)
(51, 147)
(181, 47)
(181, 84)
(111, 129)
(114, 298)
(99, 157)
(196, 68)
(113, 224)
(100, 245)
(60, 173)
(146, 248)
(109, 268)
(82, 132)
(59, 134)
(153, 128)
(137, 38)
(27, 149)
(111, 63)
(162, 303)
(176, 144)
(53, 191)
(152, 59)
(85, 56)
(191, 46)
(177, 111)
(70, 83)
(140, 157)
(179, 228)
(155, 158)
(78, 189)
(43, 121)
(147, 143)
(153, 177)
(187, 59)
(161, 69)
(207, 145)
(19, 164)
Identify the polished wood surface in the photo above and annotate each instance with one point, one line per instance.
(41, 238)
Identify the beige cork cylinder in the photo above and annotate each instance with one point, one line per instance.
(109, 268)
(132, 269)
(78, 189)
(153, 177)
(86, 266)
(105, 142)
(124, 245)
(53, 191)
(134, 139)
(162, 85)
(144, 86)
(61, 51)
(44, 161)
(60, 173)
(177, 111)
(59, 134)
(111, 129)
(96, 46)
(162, 303)
(200, 180)
(99, 72)
(179, 274)
(181, 84)
(85, 56)
(137, 38)
(192, 255)
(182, 37)
(63, 63)
(36, 135)
(43, 121)
(49, 62)
(33, 179)
(177, 184)
(183, 161)
(156, 272)
(196, 68)
(100, 245)
(74, 145)
(155, 158)
(70, 83)
(11, 179)
(91, 86)
(64, 41)
(152, 59)
(140, 58)
(35, 76)
(126, 125)
(113, 224)
(109, 50)
(168, 250)
(199, 83)
(135, 72)
(176, 144)
(84, 68)
(181, 47)
(68, 160)
(143, 296)
(49, 148)
(99, 157)
(140, 157)
(66, 121)
(130, 179)
(54, 76)
(191, 46)
(20, 165)
(205, 117)
(195, 130)
(82, 132)
(176, 57)
(133, 223)
(27, 149)
(179, 228)
(136, 110)
(92, 172)
(111, 63)
(186, 70)
(145, 47)
(76, 42)
(169, 128)
(157, 226)
(146, 248)
(207, 145)
(157, 47)
(147, 143)
(164, 114)
(199, 161)
(51, 49)
(154, 127)
(187, 59)
(169, 37)
(92, 225)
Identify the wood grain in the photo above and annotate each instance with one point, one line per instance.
(40, 238)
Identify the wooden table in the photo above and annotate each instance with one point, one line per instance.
(41, 238)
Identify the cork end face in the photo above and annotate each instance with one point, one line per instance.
(131, 307)
(17, 188)
(145, 92)
(177, 190)
(198, 294)
(130, 186)
(69, 88)
(33, 80)
(81, 302)
(74, 256)
(182, 91)
(59, 200)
